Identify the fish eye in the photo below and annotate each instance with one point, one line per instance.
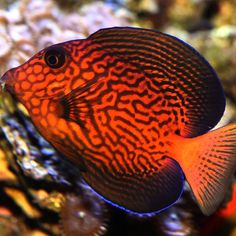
(55, 57)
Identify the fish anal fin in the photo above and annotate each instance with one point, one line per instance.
(209, 162)
(139, 192)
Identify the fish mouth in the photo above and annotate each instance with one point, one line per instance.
(4, 81)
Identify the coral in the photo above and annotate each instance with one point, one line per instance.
(83, 214)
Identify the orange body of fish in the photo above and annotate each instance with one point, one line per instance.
(132, 109)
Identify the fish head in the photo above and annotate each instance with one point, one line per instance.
(46, 75)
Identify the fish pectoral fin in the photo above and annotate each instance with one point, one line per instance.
(210, 168)
(72, 107)
(77, 106)
(139, 192)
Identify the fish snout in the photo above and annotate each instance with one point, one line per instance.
(5, 80)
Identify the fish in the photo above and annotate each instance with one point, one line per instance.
(134, 110)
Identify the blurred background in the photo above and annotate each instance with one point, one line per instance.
(40, 192)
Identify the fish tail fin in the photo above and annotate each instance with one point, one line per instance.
(209, 162)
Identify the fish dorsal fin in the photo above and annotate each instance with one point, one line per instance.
(189, 84)
(148, 191)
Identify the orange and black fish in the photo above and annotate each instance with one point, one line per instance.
(132, 109)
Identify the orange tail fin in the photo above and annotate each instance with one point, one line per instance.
(209, 162)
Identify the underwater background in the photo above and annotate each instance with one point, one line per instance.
(40, 192)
